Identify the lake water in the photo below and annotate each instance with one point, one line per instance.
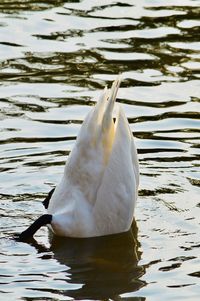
(55, 58)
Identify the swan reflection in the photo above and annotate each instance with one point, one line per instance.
(104, 267)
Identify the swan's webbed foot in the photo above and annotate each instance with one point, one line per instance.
(47, 199)
(41, 221)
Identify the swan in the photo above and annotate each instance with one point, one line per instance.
(98, 190)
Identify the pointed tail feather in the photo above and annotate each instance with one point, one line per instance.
(100, 106)
(107, 118)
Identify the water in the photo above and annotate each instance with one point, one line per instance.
(55, 58)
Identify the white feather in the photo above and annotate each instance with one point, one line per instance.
(98, 190)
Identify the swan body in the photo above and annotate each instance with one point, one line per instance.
(98, 190)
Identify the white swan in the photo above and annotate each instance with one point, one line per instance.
(98, 190)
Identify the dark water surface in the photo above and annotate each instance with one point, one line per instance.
(55, 57)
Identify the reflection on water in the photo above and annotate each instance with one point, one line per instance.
(103, 268)
(55, 57)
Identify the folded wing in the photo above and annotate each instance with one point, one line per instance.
(117, 193)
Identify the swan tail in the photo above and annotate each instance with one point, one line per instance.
(99, 122)
(107, 118)
(100, 106)
(107, 126)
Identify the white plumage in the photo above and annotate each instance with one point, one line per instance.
(98, 190)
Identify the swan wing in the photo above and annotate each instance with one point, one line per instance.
(118, 191)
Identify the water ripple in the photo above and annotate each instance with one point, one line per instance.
(55, 57)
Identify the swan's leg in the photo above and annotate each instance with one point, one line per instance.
(47, 199)
(41, 221)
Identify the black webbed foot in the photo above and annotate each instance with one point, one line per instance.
(47, 199)
(28, 233)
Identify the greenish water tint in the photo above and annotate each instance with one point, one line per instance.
(55, 57)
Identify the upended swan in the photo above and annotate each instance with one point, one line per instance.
(97, 193)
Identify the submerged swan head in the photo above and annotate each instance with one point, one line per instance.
(98, 190)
